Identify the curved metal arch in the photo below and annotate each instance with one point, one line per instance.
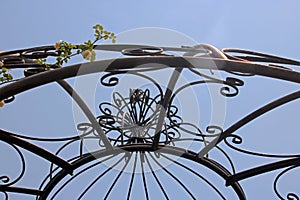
(208, 163)
(293, 162)
(135, 63)
(223, 60)
(251, 116)
(12, 139)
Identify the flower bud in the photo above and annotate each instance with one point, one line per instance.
(57, 45)
(2, 103)
(86, 54)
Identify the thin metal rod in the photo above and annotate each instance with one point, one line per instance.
(164, 105)
(84, 159)
(173, 176)
(249, 118)
(262, 169)
(99, 177)
(156, 179)
(197, 174)
(69, 89)
(206, 162)
(142, 155)
(281, 101)
(20, 190)
(118, 176)
(79, 173)
(263, 57)
(132, 176)
(11, 139)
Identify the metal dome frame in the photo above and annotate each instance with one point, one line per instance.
(246, 63)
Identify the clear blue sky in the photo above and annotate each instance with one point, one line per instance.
(266, 26)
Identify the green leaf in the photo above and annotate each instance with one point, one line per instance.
(93, 56)
(10, 77)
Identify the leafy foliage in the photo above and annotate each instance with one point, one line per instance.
(5, 75)
(66, 51)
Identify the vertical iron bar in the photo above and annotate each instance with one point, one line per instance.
(132, 176)
(164, 104)
(118, 176)
(156, 178)
(142, 155)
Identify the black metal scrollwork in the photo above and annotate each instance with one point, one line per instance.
(129, 121)
(5, 179)
(133, 119)
(290, 195)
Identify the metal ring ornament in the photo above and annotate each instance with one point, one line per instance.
(144, 51)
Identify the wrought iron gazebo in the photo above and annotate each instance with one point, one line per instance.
(139, 143)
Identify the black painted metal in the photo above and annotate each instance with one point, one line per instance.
(147, 126)
(164, 104)
(11, 139)
(86, 110)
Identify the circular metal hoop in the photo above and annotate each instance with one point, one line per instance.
(144, 149)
